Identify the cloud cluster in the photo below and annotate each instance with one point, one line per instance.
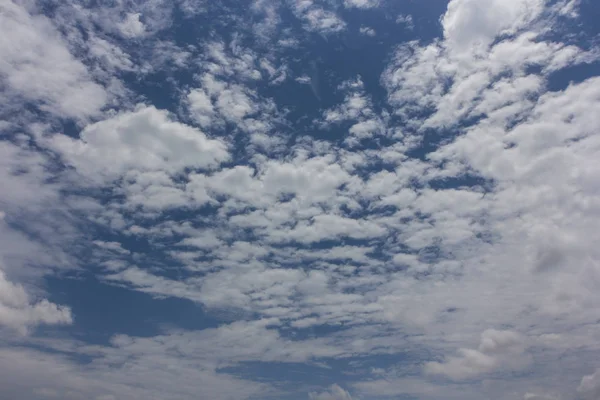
(357, 109)
(334, 393)
(143, 140)
(589, 387)
(317, 18)
(38, 67)
(18, 312)
(497, 350)
(444, 246)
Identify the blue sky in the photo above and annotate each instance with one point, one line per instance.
(299, 199)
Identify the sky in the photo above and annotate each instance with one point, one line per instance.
(300, 199)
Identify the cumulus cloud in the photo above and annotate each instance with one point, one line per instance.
(365, 30)
(145, 139)
(449, 77)
(466, 198)
(358, 110)
(132, 26)
(406, 20)
(497, 350)
(536, 396)
(589, 387)
(469, 24)
(318, 19)
(38, 66)
(335, 392)
(18, 312)
(35, 374)
(217, 103)
(361, 3)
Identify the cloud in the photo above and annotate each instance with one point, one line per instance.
(110, 55)
(468, 23)
(335, 392)
(589, 388)
(38, 66)
(365, 30)
(128, 19)
(449, 79)
(37, 221)
(145, 139)
(318, 19)
(218, 103)
(534, 396)
(111, 246)
(391, 386)
(323, 21)
(32, 374)
(18, 312)
(361, 3)
(357, 109)
(497, 350)
(34, 227)
(131, 26)
(225, 95)
(464, 199)
(406, 20)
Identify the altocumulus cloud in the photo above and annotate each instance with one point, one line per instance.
(299, 199)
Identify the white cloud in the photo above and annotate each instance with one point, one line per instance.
(145, 139)
(131, 26)
(129, 369)
(201, 107)
(365, 30)
(411, 386)
(394, 253)
(357, 108)
(18, 312)
(406, 20)
(451, 77)
(361, 3)
(536, 396)
(589, 388)
(335, 392)
(266, 29)
(323, 21)
(527, 156)
(34, 227)
(36, 222)
(304, 79)
(497, 350)
(226, 93)
(470, 23)
(128, 19)
(569, 8)
(233, 61)
(110, 55)
(38, 66)
(111, 246)
(318, 19)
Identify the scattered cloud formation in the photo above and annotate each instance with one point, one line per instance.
(330, 200)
